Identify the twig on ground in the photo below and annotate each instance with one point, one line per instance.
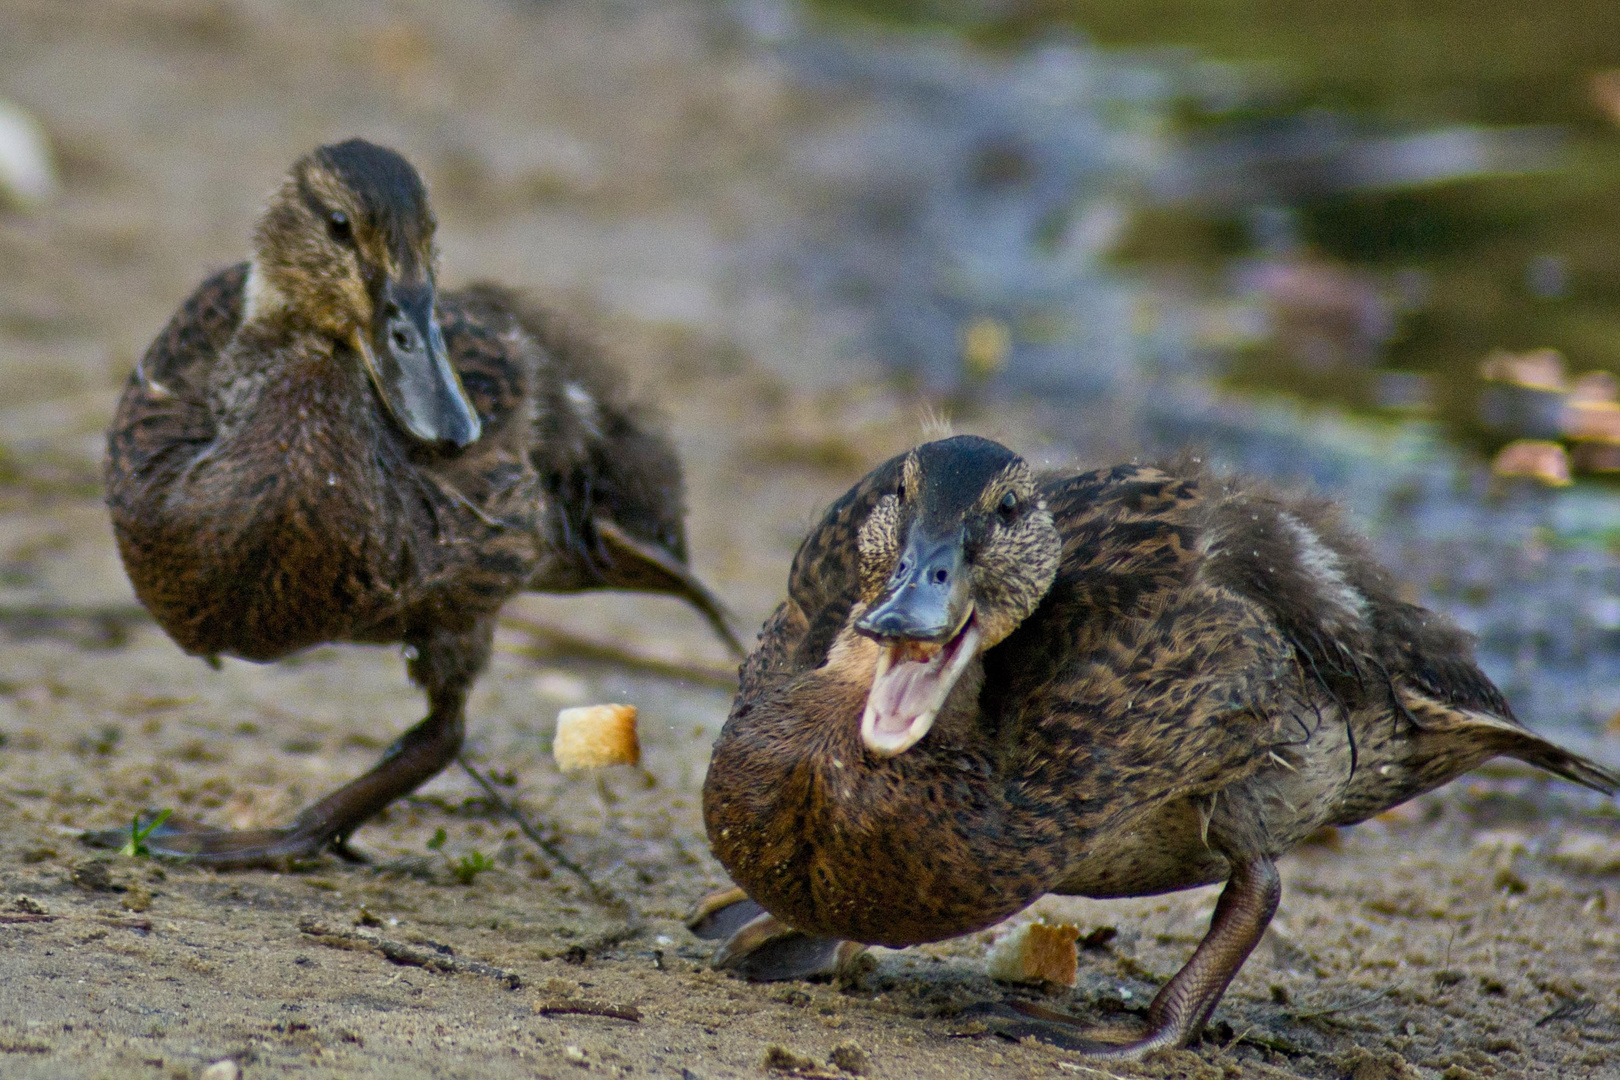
(1572, 1010)
(599, 892)
(1350, 1006)
(362, 940)
(588, 1007)
(1272, 1042)
(551, 641)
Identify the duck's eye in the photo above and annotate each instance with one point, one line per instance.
(1008, 505)
(337, 224)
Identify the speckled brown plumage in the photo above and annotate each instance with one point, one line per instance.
(1214, 673)
(268, 493)
(334, 528)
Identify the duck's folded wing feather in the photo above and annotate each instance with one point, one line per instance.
(824, 582)
(1146, 683)
(488, 356)
(1177, 702)
(164, 411)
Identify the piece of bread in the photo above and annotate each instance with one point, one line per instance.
(596, 735)
(1035, 953)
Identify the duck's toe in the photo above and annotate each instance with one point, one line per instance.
(721, 914)
(760, 947)
(191, 841)
(1020, 1020)
(765, 949)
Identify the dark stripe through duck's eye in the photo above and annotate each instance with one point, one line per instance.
(1008, 505)
(337, 223)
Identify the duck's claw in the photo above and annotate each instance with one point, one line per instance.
(760, 947)
(204, 845)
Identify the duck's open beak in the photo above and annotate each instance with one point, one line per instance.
(408, 363)
(927, 634)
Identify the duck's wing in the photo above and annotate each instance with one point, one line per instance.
(599, 455)
(610, 498)
(1138, 680)
(164, 414)
(1372, 655)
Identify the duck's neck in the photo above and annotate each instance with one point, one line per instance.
(260, 297)
(931, 843)
(282, 389)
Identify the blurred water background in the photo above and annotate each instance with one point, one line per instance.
(1364, 246)
(1290, 234)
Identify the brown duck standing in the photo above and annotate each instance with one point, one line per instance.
(986, 685)
(321, 447)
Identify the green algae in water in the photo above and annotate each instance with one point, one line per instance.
(1512, 262)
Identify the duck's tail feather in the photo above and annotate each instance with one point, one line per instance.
(1573, 767)
(1502, 737)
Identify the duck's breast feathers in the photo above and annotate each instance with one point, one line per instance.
(165, 401)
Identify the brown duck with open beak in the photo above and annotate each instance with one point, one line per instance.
(322, 447)
(986, 685)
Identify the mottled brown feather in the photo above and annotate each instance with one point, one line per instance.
(1215, 672)
(343, 530)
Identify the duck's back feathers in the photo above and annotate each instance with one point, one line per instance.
(164, 409)
(601, 456)
(1136, 683)
(823, 583)
(1341, 611)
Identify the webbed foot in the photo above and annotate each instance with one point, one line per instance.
(326, 825)
(1016, 1020)
(225, 849)
(760, 947)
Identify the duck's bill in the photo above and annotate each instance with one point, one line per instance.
(408, 363)
(912, 681)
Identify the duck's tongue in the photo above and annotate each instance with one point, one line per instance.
(912, 681)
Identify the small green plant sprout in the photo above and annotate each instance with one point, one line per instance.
(465, 869)
(136, 848)
(469, 866)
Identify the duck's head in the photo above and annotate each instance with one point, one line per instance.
(346, 246)
(951, 561)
